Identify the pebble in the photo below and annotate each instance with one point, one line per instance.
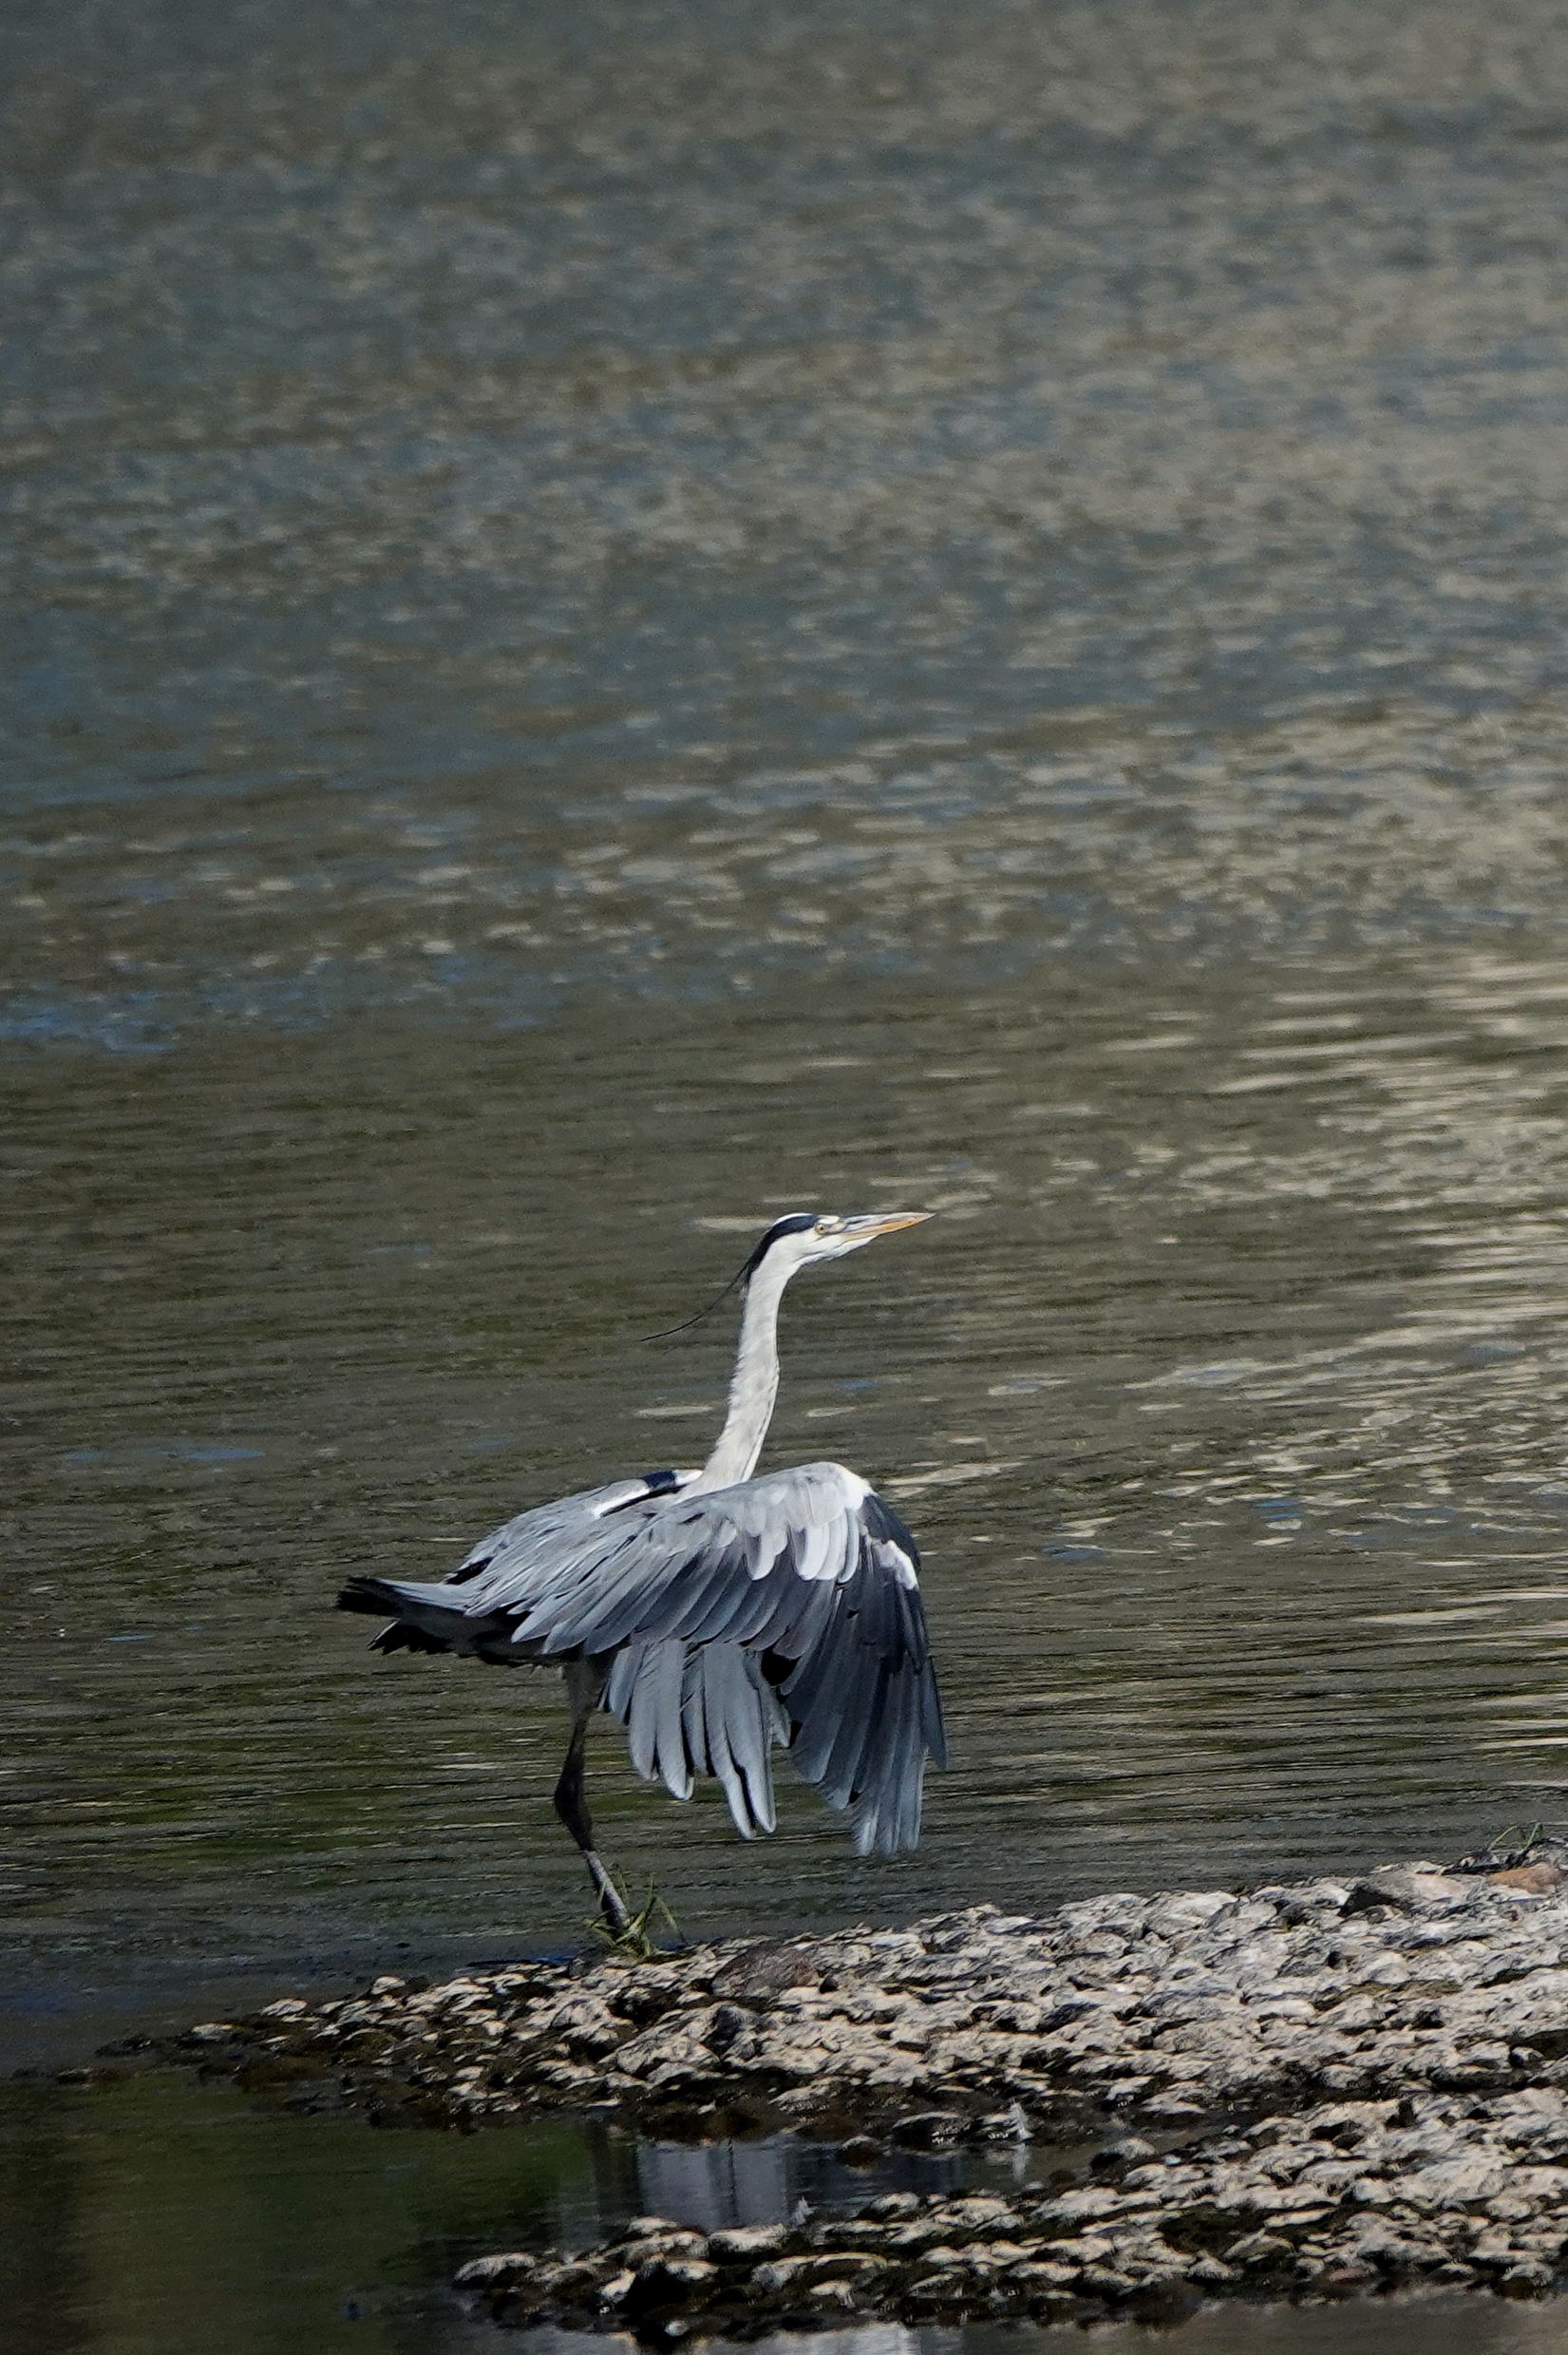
(1314, 2091)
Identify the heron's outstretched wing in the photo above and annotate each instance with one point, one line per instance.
(798, 1590)
(785, 1608)
(520, 1553)
(539, 1534)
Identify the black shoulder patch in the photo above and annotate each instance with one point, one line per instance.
(653, 1484)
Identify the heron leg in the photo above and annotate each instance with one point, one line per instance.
(571, 1793)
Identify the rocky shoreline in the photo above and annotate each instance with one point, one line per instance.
(1306, 2091)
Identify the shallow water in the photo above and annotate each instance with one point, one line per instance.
(615, 625)
(160, 2217)
(170, 2210)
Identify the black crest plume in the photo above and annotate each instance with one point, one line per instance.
(796, 1223)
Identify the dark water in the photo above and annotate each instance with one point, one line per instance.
(156, 2217)
(163, 2216)
(616, 621)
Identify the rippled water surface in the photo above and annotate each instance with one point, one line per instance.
(618, 622)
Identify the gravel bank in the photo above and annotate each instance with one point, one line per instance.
(1314, 2090)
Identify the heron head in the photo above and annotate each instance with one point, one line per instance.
(805, 1237)
(796, 1241)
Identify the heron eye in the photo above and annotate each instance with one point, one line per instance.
(823, 1227)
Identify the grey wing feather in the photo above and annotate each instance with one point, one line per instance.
(785, 1610)
(465, 1612)
(534, 1537)
(796, 1603)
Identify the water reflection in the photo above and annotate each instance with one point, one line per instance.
(137, 2213)
(756, 2182)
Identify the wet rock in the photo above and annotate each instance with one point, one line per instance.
(1530, 1880)
(1116, 2158)
(778, 2275)
(759, 1970)
(497, 2272)
(1429, 2194)
(748, 2243)
(1261, 2252)
(924, 2130)
(1366, 2079)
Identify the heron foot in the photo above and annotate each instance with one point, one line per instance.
(625, 1933)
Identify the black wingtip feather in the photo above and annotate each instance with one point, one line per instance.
(364, 1594)
(401, 1637)
(882, 1521)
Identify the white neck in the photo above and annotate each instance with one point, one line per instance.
(754, 1385)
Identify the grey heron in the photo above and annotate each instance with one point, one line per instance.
(712, 1612)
